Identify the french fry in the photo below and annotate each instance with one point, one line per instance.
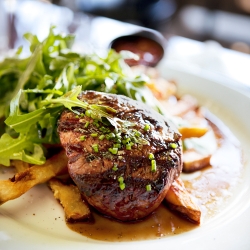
(193, 160)
(179, 199)
(76, 209)
(20, 166)
(23, 181)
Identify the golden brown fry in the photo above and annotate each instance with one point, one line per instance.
(76, 210)
(179, 199)
(22, 182)
(20, 166)
(181, 106)
(193, 160)
(188, 132)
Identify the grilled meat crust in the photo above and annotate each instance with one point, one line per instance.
(97, 173)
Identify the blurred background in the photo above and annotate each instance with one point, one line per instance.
(224, 21)
(199, 36)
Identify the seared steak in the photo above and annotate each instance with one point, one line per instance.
(123, 173)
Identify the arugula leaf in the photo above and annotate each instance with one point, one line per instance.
(34, 91)
(20, 148)
(70, 100)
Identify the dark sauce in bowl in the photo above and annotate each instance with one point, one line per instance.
(149, 50)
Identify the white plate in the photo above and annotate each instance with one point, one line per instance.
(35, 221)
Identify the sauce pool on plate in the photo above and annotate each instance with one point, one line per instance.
(160, 223)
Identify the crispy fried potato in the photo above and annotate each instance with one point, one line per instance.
(188, 132)
(180, 107)
(23, 181)
(20, 166)
(193, 160)
(76, 209)
(179, 200)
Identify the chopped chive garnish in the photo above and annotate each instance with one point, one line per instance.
(95, 148)
(102, 129)
(173, 145)
(94, 134)
(86, 125)
(96, 123)
(113, 150)
(77, 116)
(153, 165)
(128, 146)
(118, 141)
(115, 168)
(118, 135)
(125, 141)
(121, 179)
(82, 138)
(147, 127)
(111, 135)
(151, 156)
(148, 187)
(137, 133)
(121, 182)
(117, 145)
(82, 115)
(88, 113)
(101, 137)
(122, 186)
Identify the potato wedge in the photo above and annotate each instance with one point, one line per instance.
(180, 200)
(23, 181)
(181, 106)
(76, 209)
(193, 160)
(188, 132)
(20, 166)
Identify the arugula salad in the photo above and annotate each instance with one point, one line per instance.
(34, 90)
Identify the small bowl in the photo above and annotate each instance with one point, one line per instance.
(147, 44)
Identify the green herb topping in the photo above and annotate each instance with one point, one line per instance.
(121, 183)
(86, 125)
(115, 168)
(95, 148)
(153, 165)
(147, 127)
(148, 187)
(101, 137)
(151, 156)
(82, 137)
(113, 151)
(173, 145)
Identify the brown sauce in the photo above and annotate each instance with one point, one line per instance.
(211, 187)
(159, 224)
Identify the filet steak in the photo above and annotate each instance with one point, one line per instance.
(124, 174)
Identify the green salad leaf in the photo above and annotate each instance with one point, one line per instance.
(34, 90)
(21, 148)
